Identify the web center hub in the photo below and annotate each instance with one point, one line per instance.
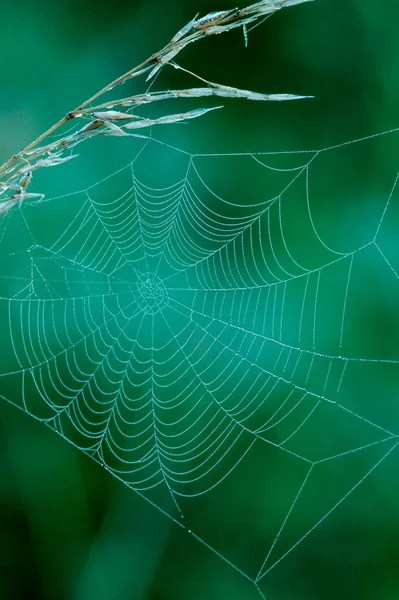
(153, 295)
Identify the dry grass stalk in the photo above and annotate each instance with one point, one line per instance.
(103, 119)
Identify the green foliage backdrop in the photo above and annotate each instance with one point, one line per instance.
(69, 530)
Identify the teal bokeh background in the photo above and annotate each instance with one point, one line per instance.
(68, 529)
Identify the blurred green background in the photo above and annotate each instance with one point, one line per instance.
(68, 530)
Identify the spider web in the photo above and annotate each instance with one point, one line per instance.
(197, 320)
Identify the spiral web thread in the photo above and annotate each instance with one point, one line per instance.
(168, 331)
